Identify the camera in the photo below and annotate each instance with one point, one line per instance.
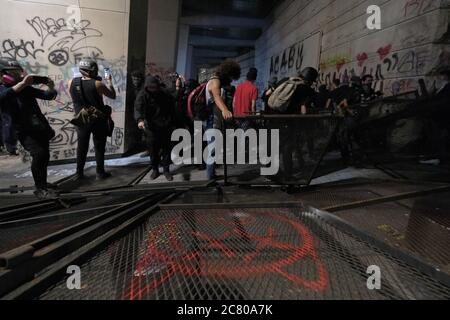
(40, 80)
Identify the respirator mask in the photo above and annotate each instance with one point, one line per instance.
(13, 77)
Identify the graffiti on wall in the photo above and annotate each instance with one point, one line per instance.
(295, 57)
(385, 66)
(51, 46)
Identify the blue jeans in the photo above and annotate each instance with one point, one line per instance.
(8, 133)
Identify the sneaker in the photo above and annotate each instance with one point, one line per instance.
(103, 176)
(168, 176)
(155, 174)
(43, 194)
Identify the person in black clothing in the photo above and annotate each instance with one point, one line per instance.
(443, 115)
(273, 82)
(368, 94)
(137, 82)
(444, 91)
(18, 100)
(137, 79)
(323, 99)
(88, 91)
(8, 136)
(301, 102)
(1, 136)
(154, 112)
(344, 98)
(182, 112)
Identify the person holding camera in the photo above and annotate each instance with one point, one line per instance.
(18, 99)
(87, 95)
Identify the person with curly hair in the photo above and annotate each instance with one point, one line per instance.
(226, 73)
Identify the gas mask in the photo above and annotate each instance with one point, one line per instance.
(13, 77)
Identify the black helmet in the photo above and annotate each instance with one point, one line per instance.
(89, 65)
(7, 64)
(309, 74)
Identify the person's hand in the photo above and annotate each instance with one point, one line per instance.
(141, 125)
(227, 115)
(28, 80)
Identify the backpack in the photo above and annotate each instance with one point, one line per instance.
(281, 98)
(198, 107)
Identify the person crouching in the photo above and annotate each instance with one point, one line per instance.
(155, 113)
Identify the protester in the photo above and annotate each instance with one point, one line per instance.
(8, 134)
(18, 101)
(344, 98)
(155, 114)
(444, 90)
(443, 115)
(87, 94)
(137, 80)
(368, 93)
(300, 102)
(323, 99)
(2, 146)
(246, 95)
(272, 85)
(228, 71)
(182, 110)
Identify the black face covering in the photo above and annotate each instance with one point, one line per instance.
(367, 88)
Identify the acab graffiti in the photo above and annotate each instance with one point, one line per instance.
(291, 59)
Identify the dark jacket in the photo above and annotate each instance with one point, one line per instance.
(156, 109)
(303, 95)
(345, 92)
(24, 109)
(444, 92)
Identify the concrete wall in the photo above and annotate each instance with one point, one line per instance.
(37, 33)
(332, 35)
(162, 37)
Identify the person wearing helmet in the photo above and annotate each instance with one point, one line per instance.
(272, 85)
(8, 137)
(291, 140)
(88, 91)
(18, 99)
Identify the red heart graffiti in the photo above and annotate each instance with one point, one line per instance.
(362, 57)
(383, 52)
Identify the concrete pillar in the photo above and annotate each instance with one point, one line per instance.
(190, 63)
(184, 51)
(162, 33)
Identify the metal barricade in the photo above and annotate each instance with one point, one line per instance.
(295, 144)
